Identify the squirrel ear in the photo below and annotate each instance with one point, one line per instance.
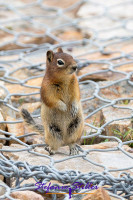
(59, 50)
(50, 55)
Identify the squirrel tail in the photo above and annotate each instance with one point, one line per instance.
(28, 119)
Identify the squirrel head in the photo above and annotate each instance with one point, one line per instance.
(60, 63)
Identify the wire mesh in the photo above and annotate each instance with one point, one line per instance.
(27, 30)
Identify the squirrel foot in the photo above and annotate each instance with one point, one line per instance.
(73, 150)
(48, 148)
(74, 109)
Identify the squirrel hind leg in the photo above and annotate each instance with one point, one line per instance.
(73, 149)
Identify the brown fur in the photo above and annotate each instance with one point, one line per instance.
(60, 86)
(61, 110)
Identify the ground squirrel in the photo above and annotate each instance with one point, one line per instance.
(61, 110)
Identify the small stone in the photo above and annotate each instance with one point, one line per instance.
(33, 139)
(99, 194)
(38, 138)
(2, 91)
(71, 35)
(2, 188)
(120, 90)
(25, 90)
(96, 121)
(26, 195)
(88, 10)
(17, 128)
(31, 107)
(2, 126)
(92, 68)
(119, 127)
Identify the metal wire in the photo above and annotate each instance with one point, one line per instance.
(41, 24)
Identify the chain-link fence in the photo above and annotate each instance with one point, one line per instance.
(99, 35)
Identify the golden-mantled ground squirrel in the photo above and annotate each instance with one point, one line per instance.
(61, 110)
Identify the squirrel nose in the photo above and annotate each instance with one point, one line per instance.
(74, 67)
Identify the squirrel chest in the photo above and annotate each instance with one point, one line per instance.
(63, 91)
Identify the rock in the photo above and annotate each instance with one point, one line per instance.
(89, 10)
(118, 12)
(18, 100)
(31, 107)
(70, 35)
(120, 127)
(120, 90)
(7, 40)
(122, 32)
(2, 91)
(36, 40)
(26, 195)
(1, 178)
(1, 145)
(2, 189)
(17, 128)
(99, 56)
(96, 121)
(102, 76)
(2, 126)
(65, 4)
(99, 194)
(97, 24)
(92, 68)
(112, 160)
(87, 91)
(7, 112)
(21, 89)
(33, 139)
(124, 46)
(33, 35)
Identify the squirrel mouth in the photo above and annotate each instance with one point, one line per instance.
(72, 71)
(74, 68)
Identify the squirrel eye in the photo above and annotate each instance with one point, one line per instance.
(60, 62)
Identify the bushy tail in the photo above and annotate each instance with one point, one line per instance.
(31, 122)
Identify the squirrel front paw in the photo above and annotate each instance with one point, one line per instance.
(62, 106)
(74, 109)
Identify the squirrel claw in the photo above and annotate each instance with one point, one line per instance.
(73, 150)
(48, 148)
